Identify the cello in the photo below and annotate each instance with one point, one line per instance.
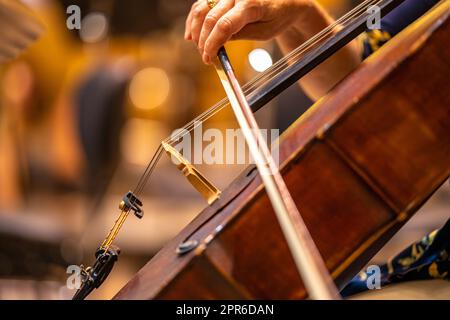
(359, 164)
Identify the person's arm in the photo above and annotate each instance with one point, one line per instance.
(291, 22)
(325, 76)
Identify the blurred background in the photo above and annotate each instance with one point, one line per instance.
(81, 114)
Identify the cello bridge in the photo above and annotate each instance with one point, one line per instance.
(206, 188)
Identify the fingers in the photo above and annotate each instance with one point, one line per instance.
(198, 16)
(211, 28)
(211, 20)
(187, 29)
(228, 25)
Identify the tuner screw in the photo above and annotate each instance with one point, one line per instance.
(187, 246)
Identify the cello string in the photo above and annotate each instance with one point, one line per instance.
(149, 168)
(276, 69)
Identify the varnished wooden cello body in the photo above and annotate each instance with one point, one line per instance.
(359, 164)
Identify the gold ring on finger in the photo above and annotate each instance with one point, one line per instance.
(211, 3)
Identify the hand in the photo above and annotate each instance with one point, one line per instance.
(291, 22)
(241, 19)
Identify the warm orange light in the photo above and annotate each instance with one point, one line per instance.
(149, 88)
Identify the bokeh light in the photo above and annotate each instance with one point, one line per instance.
(94, 27)
(149, 88)
(260, 60)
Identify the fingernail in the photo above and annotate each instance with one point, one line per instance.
(206, 58)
